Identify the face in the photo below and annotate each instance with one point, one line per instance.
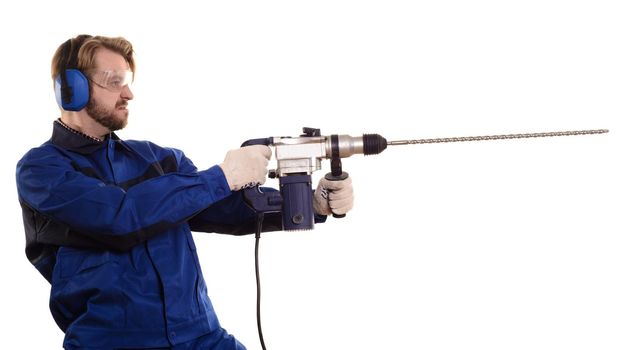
(109, 94)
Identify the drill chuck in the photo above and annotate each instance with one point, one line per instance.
(344, 146)
(373, 144)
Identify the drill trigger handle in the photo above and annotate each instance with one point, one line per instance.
(267, 141)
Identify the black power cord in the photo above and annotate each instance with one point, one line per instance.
(257, 236)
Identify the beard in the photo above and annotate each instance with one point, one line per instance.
(106, 116)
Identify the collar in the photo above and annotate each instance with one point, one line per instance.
(74, 140)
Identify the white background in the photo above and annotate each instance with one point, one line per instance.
(490, 245)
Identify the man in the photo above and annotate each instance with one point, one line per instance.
(108, 221)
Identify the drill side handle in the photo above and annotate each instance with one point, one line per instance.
(336, 174)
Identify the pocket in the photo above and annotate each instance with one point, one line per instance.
(75, 261)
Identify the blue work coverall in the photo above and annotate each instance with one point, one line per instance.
(108, 224)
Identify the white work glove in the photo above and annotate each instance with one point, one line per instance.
(246, 166)
(333, 197)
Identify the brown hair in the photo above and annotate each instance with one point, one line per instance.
(86, 46)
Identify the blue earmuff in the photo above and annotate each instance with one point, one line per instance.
(75, 94)
(71, 86)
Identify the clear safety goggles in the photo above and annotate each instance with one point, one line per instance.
(112, 80)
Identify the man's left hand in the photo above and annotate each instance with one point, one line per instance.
(333, 197)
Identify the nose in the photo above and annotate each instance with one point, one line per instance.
(126, 93)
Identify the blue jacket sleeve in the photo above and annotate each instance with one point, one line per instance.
(48, 184)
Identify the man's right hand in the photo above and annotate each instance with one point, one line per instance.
(246, 166)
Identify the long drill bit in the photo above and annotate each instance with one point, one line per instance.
(498, 137)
